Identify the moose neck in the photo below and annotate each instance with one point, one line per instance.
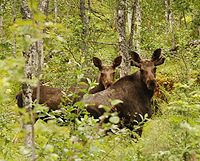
(98, 88)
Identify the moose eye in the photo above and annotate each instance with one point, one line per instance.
(102, 74)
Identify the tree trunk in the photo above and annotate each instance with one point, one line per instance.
(30, 56)
(179, 20)
(84, 34)
(171, 23)
(67, 16)
(123, 49)
(166, 17)
(43, 7)
(28, 125)
(185, 19)
(199, 36)
(1, 21)
(115, 23)
(129, 17)
(138, 26)
(56, 10)
(199, 30)
(14, 19)
(132, 25)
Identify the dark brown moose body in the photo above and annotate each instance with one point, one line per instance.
(52, 97)
(134, 90)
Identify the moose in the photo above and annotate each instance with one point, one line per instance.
(135, 91)
(52, 97)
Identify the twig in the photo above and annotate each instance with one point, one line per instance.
(111, 149)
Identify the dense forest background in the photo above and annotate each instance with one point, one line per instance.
(67, 34)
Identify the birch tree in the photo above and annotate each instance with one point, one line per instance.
(123, 49)
(138, 8)
(85, 32)
(166, 18)
(171, 24)
(43, 7)
(14, 19)
(28, 125)
(30, 56)
(56, 11)
(132, 25)
(2, 7)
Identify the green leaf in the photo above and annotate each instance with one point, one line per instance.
(78, 72)
(114, 119)
(89, 81)
(83, 83)
(83, 90)
(78, 146)
(85, 96)
(82, 61)
(105, 107)
(54, 156)
(38, 16)
(115, 102)
(49, 148)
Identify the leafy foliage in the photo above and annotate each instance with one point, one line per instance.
(173, 134)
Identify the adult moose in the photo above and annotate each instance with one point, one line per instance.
(134, 90)
(52, 97)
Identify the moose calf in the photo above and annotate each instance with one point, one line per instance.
(52, 97)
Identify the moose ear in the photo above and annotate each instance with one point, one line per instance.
(97, 62)
(117, 61)
(159, 61)
(156, 58)
(156, 54)
(135, 59)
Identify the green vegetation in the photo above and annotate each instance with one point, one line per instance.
(173, 132)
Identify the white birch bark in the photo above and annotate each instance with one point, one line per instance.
(166, 17)
(28, 124)
(138, 8)
(171, 24)
(56, 11)
(84, 34)
(67, 16)
(30, 56)
(43, 7)
(123, 49)
(129, 17)
(132, 25)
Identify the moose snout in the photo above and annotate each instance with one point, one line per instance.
(151, 84)
(108, 84)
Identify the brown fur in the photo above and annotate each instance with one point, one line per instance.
(134, 90)
(52, 97)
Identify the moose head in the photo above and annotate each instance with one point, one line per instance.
(107, 72)
(148, 67)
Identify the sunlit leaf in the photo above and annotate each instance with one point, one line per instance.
(104, 107)
(49, 148)
(115, 102)
(114, 119)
